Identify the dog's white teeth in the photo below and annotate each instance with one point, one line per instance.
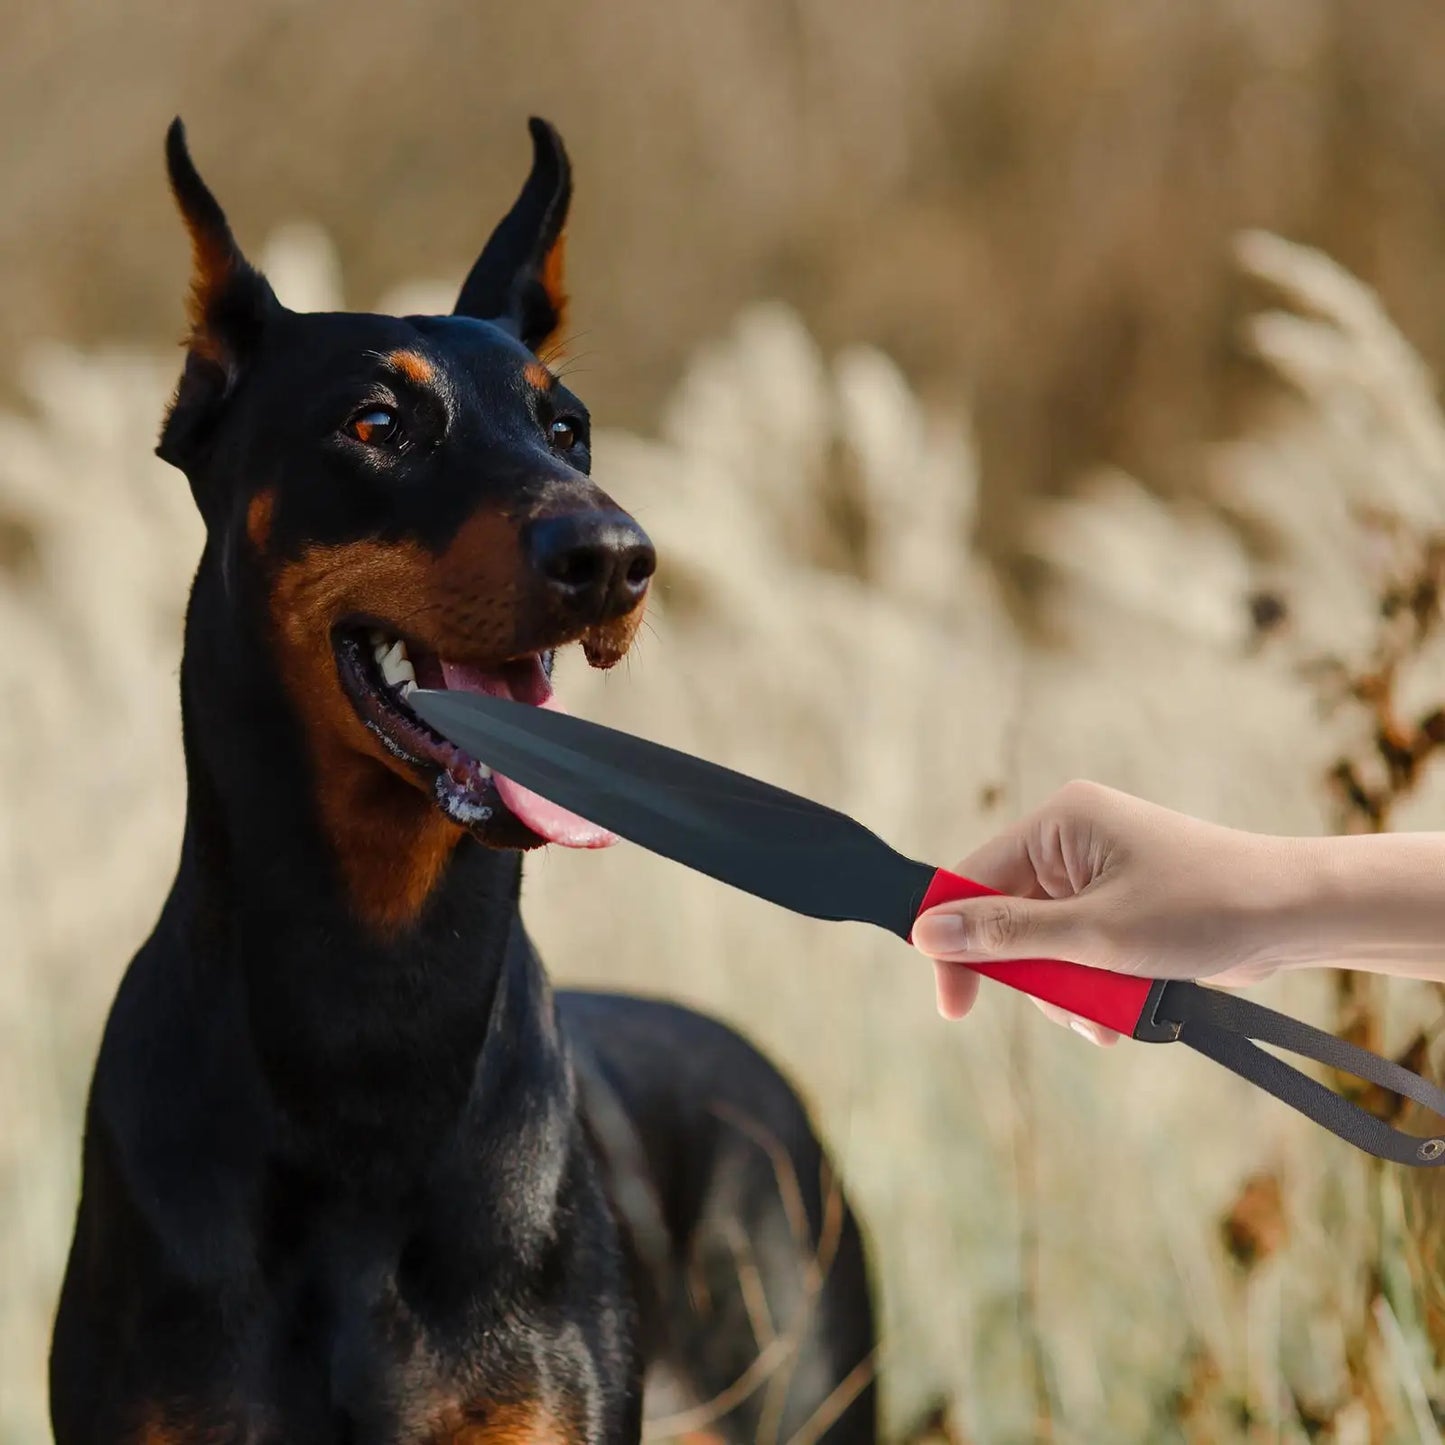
(391, 657)
(396, 666)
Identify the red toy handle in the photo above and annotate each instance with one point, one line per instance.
(1113, 999)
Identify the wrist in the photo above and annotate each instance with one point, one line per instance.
(1300, 918)
(1362, 901)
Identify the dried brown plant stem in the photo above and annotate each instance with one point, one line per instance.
(1025, 1145)
(772, 1368)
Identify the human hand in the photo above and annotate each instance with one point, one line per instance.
(1101, 878)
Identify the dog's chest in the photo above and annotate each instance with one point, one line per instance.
(418, 1342)
(382, 1376)
(369, 1334)
(445, 1422)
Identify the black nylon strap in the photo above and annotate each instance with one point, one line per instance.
(1220, 1026)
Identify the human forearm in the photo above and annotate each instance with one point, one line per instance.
(1374, 902)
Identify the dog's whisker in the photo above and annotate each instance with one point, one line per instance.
(570, 364)
(557, 347)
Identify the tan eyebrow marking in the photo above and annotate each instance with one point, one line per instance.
(539, 376)
(411, 365)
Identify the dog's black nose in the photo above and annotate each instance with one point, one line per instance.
(597, 563)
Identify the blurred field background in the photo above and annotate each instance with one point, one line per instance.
(991, 435)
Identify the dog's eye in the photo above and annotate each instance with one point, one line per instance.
(563, 434)
(376, 426)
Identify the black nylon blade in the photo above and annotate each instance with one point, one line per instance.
(756, 837)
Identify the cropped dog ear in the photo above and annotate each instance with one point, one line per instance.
(230, 303)
(517, 280)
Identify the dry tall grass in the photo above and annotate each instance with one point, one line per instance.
(1046, 1218)
(1030, 198)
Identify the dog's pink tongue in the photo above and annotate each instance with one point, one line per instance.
(547, 819)
(543, 817)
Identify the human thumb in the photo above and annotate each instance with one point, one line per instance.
(980, 930)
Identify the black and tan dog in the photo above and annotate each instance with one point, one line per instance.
(352, 1173)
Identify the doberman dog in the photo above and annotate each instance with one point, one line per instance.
(352, 1171)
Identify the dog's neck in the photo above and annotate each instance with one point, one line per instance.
(371, 1042)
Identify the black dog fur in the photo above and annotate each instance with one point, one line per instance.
(352, 1173)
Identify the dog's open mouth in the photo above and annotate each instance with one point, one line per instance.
(379, 670)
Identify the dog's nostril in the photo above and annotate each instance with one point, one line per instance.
(599, 562)
(577, 569)
(641, 567)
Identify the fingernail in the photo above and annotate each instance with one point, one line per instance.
(1083, 1030)
(940, 933)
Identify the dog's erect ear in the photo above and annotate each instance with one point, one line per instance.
(517, 280)
(230, 303)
